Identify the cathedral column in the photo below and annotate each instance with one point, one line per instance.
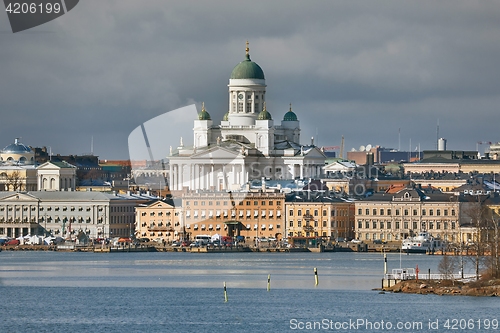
(181, 177)
(234, 173)
(175, 176)
(202, 177)
(301, 171)
(170, 178)
(191, 170)
(213, 177)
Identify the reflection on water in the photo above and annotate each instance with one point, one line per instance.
(337, 271)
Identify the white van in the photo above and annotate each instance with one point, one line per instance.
(203, 239)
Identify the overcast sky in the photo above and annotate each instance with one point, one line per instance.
(362, 69)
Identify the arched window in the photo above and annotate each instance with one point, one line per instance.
(52, 183)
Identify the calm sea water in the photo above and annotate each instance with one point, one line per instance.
(183, 292)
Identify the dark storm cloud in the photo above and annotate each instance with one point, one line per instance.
(362, 69)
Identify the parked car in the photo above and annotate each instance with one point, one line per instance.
(195, 244)
(185, 244)
(13, 242)
(355, 241)
(176, 244)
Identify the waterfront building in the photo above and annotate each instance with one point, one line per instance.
(396, 216)
(159, 220)
(246, 145)
(67, 213)
(254, 214)
(312, 215)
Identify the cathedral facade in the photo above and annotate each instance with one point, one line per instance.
(246, 145)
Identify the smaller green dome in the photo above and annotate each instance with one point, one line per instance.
(226, 116)
(204, 115)
(290, 115)
(264, 115)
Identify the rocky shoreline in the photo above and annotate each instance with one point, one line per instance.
(447, 287)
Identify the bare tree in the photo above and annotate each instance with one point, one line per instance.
(492, 239)
(477, 214)
(447, 267)
(14, 181)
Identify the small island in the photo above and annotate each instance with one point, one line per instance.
(481, 287)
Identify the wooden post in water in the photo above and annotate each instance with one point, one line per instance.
(225, 293)
(316, 276)
(269, 282)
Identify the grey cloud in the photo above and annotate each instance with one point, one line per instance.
(362, 69)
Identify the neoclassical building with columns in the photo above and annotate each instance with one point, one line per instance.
(246, 145)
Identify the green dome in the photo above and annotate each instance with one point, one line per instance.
(264, 115)
(247, 69)
(204, 115)
(290, 115)
(226, 117)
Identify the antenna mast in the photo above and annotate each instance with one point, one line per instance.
(437, 135)
(342, 148)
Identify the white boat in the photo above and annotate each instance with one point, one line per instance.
(423, 243)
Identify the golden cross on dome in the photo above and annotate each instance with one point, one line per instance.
(264, 106)
(247, 49)
(202, 106)
(290, 106)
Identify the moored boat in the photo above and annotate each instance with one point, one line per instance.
(423, 243)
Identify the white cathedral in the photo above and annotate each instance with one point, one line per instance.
(246, 145)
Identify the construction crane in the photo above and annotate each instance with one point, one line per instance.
(482, 143)
(333, 148)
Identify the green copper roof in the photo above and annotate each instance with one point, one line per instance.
(226, 116)
(264, 115)
(290, 115)
(247, 69)
(204, 115)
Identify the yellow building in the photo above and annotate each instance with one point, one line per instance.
(159, 221)
(322, 217)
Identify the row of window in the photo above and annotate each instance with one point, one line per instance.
(341, 212)
(225, 203)
(49, 219)
(218, 226)
(64, 209)
(121, 209)
(425, 225)
(333, 224)
(225, 214)
(309, 234)
(160, 214)
(389, 237)
(406, 212)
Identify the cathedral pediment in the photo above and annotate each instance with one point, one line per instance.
(216, 152)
